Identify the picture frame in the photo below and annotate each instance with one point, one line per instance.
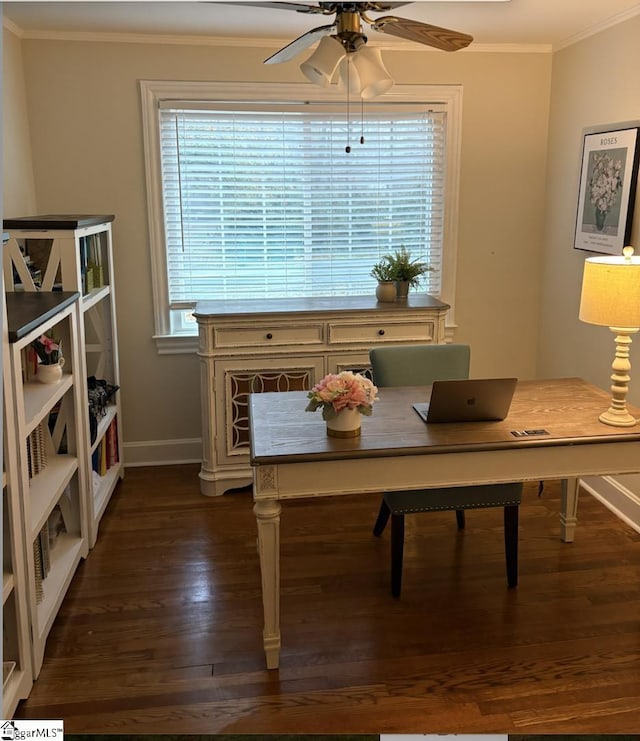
(607, 191)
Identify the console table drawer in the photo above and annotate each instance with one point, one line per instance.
(380, 332)
(269, 335)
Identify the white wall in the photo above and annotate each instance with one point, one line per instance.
(17, 167)
(593, 82)
(84, 114)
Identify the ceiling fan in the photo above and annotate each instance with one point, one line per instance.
(347, 26)
(342, 43)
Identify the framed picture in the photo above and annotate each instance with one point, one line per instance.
(607, 188)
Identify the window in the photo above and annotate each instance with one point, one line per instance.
(254, 199)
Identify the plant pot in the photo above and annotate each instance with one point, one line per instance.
(386, 291)
(345, 424)
(50, 373)
(402, 290)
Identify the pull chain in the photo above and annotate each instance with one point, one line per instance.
(347, 149)
(361, 119)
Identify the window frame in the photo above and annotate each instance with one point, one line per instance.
(153, 92)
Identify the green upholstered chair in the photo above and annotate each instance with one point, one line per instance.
(420, 365)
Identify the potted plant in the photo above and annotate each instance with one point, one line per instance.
(50, 360)
(407, 271)
(386, 288)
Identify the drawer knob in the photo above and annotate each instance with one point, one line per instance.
(381, 332)
(269, 336)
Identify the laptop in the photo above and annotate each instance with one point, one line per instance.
(468, 400)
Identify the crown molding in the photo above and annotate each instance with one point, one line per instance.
(507, 48)
(12, 27)
(613, 20)
(244, 42)
(270, 43)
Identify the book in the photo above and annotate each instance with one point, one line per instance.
(55, 525)
(103, 458)
(36, 451)
(37, 570)
(43, 538)
(82, 247)
(95, 459)
(112, 444)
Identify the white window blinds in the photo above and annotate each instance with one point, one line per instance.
(262, 201)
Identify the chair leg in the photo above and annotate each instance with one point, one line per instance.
(397, 553)
(511, 543)
(383, 517)
(460, 519)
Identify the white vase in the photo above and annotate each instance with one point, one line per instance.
(345, 424)
(386, 291)
(50, 373)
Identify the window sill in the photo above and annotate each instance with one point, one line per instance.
(176, 344)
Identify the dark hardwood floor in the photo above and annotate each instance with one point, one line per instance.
(161, 629)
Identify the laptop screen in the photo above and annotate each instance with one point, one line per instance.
(468, 400)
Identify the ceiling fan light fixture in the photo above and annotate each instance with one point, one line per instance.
(374, 78)
(364, 73)
(322, 64)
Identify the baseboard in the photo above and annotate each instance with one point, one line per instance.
(615, 495)
(162, 452)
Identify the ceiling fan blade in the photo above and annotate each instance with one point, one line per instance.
(423, 33)
(300, 44)
(298, 7)
(380, 7)
(323, 8)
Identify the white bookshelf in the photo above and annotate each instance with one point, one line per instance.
(16, 648)
(75, 253)
(54, 491)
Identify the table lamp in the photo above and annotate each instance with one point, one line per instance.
(611, 298)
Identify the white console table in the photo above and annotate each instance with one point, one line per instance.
(260, 345)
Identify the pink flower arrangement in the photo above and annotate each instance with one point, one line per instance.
(345, 390)
(49, 350)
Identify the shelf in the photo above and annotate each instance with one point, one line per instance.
(94, 297)
(103, 426)
(46, 488)
(40, 398)
(56, 221)
(8, 667)
(103, 493)
(14, 689)
(8, 584)
(28, 310)
(65, 557)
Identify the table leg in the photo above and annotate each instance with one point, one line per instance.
(569, 509)
(268, 518)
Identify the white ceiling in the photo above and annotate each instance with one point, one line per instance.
(554, 23)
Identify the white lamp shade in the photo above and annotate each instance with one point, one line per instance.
(367, 73)
(347, 76)
(611, 291)
(322, 64)
(373, 75)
